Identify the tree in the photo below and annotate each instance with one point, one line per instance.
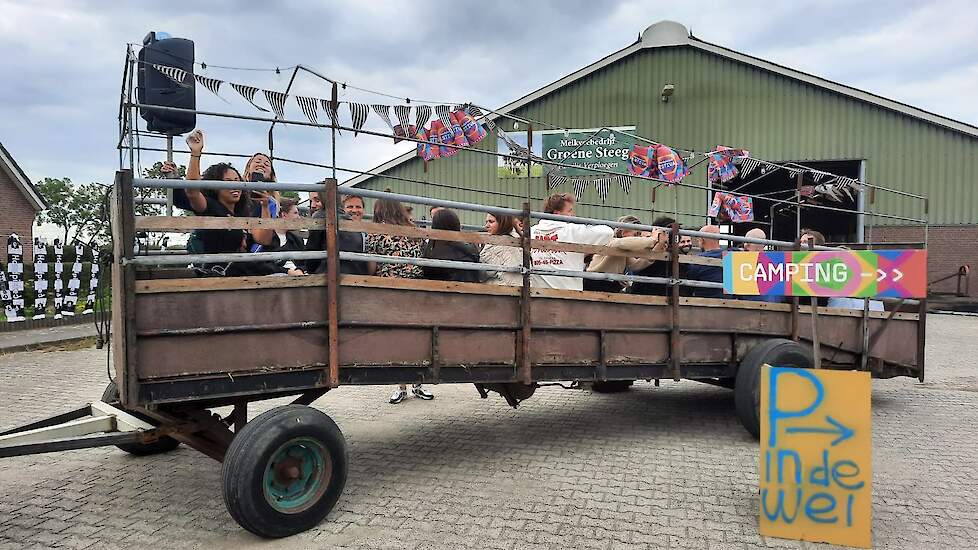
(76, 209)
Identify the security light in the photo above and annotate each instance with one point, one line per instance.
(667, 92)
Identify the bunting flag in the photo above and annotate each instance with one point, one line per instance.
(14, 301)
(747, 167)
(309, 108)
(818, 175)
(477, 112)
(358, 114)
(40, 277)
(277, 101)
(626, 183)
(580, 185)
(384, 112)
(731, 208)
(212, 84)
(59, 258)
(555, 179)
(177, 75)
(248, 93)
(444, 115)
(92, 286)
(422, 114)
(602, 185)
(332, 113)
(403, 114)
(793, 172)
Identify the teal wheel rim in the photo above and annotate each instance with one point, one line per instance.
(297, 475)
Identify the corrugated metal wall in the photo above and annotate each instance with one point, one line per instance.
(719, 101)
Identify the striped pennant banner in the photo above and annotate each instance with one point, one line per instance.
(422, 114)
(403, 114)
(212, 84)
(626, 183)
(477, 112)
(818, 175)
(177, 75)
(580, 185)
(793, 172)
(441, 111)
(384, 112)
(358, 114)
(248, 93)
(603, 185)
(309, 108)
(555, 180)
(334, 116)
(747, 166)
(277, 101)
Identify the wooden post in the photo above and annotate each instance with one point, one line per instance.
(123, 289)
(523, 356)
(330, 205)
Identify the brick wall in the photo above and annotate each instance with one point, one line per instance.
(16, 216)
(948, 247)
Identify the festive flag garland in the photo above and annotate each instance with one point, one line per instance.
(248, 93)
(358, 115)
(332, 113)
(177, 75)
(422, 114)
(309, 108)
(277, 101)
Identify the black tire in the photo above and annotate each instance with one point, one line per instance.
(162, 445)
(747, 389)
(260, 465)
(611, 386)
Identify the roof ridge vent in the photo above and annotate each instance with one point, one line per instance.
(665, 33)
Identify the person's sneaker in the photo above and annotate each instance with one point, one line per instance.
(398, 396)
(418, 391)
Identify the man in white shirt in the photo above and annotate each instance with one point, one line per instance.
(562, 204)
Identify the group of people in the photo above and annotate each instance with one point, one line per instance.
(636, 248)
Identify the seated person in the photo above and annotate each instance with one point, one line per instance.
(625, 239)
(758, 233)
(349, 241)
(712, 273)
(657, 268)
(810, 236)
(447, 220)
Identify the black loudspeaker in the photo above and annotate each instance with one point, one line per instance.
(156, 88)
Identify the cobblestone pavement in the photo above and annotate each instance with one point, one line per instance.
(666, 467)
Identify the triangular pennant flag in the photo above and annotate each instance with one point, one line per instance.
(248, 92)
(331, 112)
(555, 180)
(442, 112)
(748, 166)
(358, 114)
(626, 183)
(309, 108)
(603, 185)
(580, 185)
(422, 114)
(277, 101)
(403, 114)
(818, 175)
(477, 112)
(177, 75)
(212, 84)
(793, 172)
(384, 112)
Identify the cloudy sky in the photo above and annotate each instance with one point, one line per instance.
(62, 60)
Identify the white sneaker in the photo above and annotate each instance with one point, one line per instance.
(398, 396)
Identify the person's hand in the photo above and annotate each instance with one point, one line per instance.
(169, 170)
(296, 272)
(195, 140)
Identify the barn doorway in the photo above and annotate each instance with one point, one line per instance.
(778, 219)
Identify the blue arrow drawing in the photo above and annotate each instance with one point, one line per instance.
(843, 432)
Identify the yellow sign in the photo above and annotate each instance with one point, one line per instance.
(816, 456)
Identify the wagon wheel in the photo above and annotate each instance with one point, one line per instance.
(161, 445)
(284, 471)
(777, 352)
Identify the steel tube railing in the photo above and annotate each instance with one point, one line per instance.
(371, 193)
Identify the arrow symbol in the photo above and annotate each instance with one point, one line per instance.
(897, 275)
(882, 275)
(837, 428)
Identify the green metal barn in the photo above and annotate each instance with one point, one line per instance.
(722, 97)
